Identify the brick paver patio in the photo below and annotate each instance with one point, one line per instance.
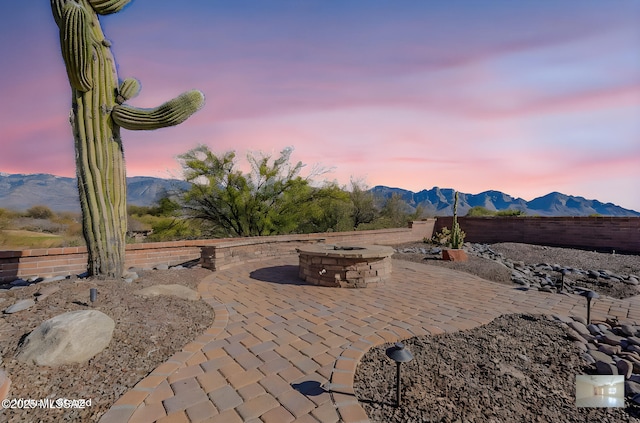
(281, 351)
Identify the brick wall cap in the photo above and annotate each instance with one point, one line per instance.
(358, 251)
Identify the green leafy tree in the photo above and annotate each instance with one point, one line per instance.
(397, 212)
(326, 210)
(270, 199)
(363, 209)
(394, 213)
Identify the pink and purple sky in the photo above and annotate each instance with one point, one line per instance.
(526, 97)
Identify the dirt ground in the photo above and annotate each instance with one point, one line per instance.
(149, 331)
(491, 270)
(518, 368)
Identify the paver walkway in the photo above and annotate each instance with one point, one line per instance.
(282, 351)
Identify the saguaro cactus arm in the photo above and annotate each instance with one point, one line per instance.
(75, 42)
(106, 7)
(129, 88)
(171, 113)
(56, 9)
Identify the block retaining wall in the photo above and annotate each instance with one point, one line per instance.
(621, 234)
(215, 254)
(240, 250)
(48, 262)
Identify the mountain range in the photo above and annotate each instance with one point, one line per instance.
(20, 192)
(439, 202)
(60, 194)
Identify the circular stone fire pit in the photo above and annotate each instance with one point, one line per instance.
(345, 266)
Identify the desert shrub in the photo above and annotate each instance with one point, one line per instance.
(480, 211)
(510, 212)
(137, 224)
(73, 242)
(173, 228)
(40, 212)
(133, 210)
(5, 219)
(379, 223)
(161, 228)
(28, 231)
(67, 217)
(39, 225)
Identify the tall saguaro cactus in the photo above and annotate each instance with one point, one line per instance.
(457, 236)
(98, 112)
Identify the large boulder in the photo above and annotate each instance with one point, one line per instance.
(72, 337)
(175, 290)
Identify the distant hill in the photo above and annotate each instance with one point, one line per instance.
(439, 202)
(20, 192)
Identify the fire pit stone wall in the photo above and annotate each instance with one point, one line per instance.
(345, 266)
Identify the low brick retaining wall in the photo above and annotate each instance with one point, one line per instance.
(621, 234)
(215, 253)
(47, 262)
(239, 250)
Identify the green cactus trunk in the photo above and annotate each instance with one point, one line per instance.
(101, 175)
(100, 164)
(96, 117)
(457, 236)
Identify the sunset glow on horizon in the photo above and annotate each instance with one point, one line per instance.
(523, 97)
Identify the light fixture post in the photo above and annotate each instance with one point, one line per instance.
(590, 295)
(399, 354)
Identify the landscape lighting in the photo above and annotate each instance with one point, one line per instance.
(93, 294)
(563, 272)
(399, 354)
(589, 295)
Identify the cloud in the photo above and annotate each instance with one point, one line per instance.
(521, 98)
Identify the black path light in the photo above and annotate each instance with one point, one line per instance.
(399, 354)
(589, 295)
(563, 273)
(93, 294)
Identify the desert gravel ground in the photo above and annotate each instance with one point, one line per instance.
(518, 368)
(149, 331)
